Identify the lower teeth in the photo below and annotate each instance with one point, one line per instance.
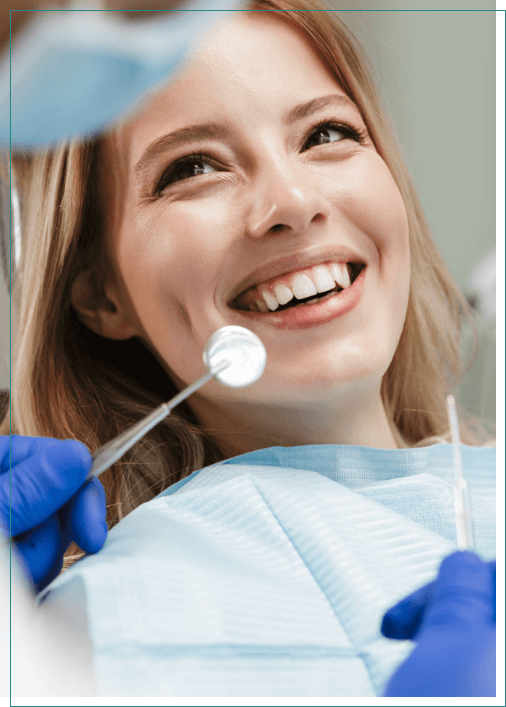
(301, 304)
(315, 300)
(320, 299)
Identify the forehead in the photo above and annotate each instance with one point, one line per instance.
(252, 66)
(257, 51)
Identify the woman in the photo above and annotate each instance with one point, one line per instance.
(264, 170)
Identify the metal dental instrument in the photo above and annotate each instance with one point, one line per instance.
(233, 355)
(465, 535)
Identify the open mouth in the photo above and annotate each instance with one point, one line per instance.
(321, 283)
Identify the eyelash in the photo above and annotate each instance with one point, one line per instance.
(181, 162)
(348, 131)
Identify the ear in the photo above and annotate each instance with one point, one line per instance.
(100, 311)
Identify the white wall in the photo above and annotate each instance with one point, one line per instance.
(436, 74)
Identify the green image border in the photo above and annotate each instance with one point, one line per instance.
(501, 425)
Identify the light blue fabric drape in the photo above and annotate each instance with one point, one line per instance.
(268, 574)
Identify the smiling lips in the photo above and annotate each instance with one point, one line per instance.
(301, 287)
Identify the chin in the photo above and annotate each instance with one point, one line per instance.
(320, 389)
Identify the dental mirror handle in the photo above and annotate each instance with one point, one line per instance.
(110, 452)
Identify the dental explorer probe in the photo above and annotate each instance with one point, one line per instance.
(233, 355)
(465, 535)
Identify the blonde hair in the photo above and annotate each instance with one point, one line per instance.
(71, 383)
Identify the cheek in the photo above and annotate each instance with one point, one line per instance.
(372, 202)
(169, 257)
(374, 209)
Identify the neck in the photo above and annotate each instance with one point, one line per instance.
(239, 428)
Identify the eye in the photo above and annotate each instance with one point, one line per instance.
(329, 131)
(185, 168)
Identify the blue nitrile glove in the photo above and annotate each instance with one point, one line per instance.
(51, 503)
(453, 621)
(71, 73)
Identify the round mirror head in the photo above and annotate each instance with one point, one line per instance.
(242, 350)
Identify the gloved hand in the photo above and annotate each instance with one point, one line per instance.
(73, 73)
(51, 503)
(453, 621)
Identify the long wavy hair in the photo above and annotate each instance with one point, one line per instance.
(68, 382)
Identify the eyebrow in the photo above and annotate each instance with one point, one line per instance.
(307, 109)
(196, 133)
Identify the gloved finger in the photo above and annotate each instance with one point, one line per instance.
(40, 549)
(448, 664)
(492, 570)
(403, 620)
(65, 541)
(42, 483)
(18, 448)
(6, 452)
(463, 595)
(5, 456)
(87, 517)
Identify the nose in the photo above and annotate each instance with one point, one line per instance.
(284, 200)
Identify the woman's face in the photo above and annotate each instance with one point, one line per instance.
(251, 178)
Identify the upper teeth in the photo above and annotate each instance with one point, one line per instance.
(321, 278)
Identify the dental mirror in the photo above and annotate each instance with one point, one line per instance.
(243, 352)
(233, 355)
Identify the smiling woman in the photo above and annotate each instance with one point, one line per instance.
(261, 188)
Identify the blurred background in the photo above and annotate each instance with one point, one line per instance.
(436, 74)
